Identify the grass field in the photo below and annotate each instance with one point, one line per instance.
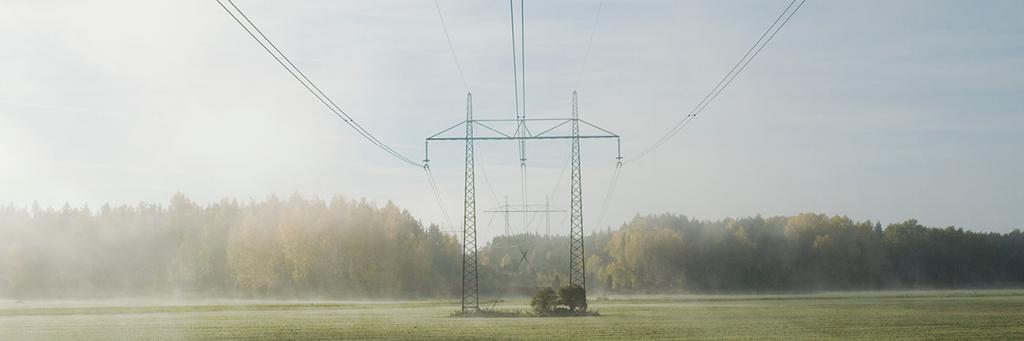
(991, 314)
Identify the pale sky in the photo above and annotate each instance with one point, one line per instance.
(881, 110)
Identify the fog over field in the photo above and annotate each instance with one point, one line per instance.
(575, 169)
(309, 248)
(906, 315)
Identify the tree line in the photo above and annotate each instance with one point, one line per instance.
(804, 252)
(340, 248)
(296, 247)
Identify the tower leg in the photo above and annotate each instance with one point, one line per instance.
(470, 288)
(577, 262)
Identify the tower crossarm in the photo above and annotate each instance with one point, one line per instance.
(506, 130)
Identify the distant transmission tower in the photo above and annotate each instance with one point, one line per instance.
(507, 209)
(518, 130)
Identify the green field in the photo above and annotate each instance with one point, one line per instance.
(990, 314)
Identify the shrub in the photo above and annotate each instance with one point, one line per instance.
(543, 301)
(574, 297)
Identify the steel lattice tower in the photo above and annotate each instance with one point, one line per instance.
(470, 287)
(517, 130)
(577, 263)
(508, 208)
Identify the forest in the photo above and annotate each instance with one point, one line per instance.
(340, 248)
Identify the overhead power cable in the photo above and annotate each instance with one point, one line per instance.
(515, 270)
(515, 59)
(451, 46)
(561, 175)
(740, 65)
(522, 50)
(608, 196)
(590, 43)
(437, 196)
(313, 89)
(525, 201)
(487, 180)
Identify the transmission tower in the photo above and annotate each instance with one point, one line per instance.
(547, 216)
(577, 264)
(470, 277)
(518, 130)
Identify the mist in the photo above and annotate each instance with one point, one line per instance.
(241, 169)
(336, 249)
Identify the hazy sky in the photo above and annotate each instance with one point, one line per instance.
(881, 110)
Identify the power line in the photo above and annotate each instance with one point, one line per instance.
(608, 196)
(590, 43)
(522, 171)
(521, 115)
(451, 46)
(297, 73)
(514, 270)
(310, 86)
(561, 175)
(515, 62)
(437, 196)
(510, 234)
(487, 180)
(522, 50)
(728, 78)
